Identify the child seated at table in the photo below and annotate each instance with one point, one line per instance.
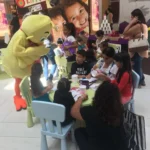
(100, 38)
(63, 96)
(39, 92)
(58, 50)
(80, 67)
(108, 68)
(123, 77)
(100, 61)
(81, 44)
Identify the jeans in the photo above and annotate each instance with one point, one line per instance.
(45, 66)
(137, 66)
(52, 71)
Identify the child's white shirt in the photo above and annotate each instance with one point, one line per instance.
(70, 39)
(111, 71)
(58, 51)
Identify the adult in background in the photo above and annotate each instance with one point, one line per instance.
(109, 15)
(14, 24)
(134, 31)
(103, 120)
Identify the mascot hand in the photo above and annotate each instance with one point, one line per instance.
(47, 43)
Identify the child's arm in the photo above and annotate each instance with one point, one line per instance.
(47, 89)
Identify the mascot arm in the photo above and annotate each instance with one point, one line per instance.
(19, 49)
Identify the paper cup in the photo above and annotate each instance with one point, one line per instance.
(74, 78)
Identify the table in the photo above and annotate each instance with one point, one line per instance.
(89, 92)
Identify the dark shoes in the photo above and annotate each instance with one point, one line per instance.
(142, 83)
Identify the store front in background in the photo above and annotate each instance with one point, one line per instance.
(5, 18)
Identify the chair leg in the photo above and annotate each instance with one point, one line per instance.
(63, 144)
(44, 145)
(72, 135)
(29, 119)
(132, 109)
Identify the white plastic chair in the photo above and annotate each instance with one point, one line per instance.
(135, 82)
(51, 112)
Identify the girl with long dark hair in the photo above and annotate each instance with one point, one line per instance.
(134, 31)
(103, 120)
(123, 76)
(39, 92)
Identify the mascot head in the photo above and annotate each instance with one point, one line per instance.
(36, 27)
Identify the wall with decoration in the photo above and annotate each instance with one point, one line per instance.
(127, 6)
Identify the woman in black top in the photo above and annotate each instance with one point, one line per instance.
(63, 96)
(103, 120)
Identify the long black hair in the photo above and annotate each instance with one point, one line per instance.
(109, 52)
(36, 72)
(64, 85)
(124, 59)
(107, 103)
(138, 13)
(71, 28)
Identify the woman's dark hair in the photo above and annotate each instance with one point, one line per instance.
(56, 11)
(100, 33)
(104, 44)
(107, 103)
(124, 59)
(68, 3)
(36, 72)
(110, 52)
(138, 13)
(64, 85)
(71, 28)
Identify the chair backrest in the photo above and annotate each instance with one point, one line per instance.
(135, 80)
(61, 65)
(117, 47)
(25, 90)
(51, 113)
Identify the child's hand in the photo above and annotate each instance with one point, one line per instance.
(49, 87)
(93, 44)
(94, 67)
(84, 97)
(88, 76)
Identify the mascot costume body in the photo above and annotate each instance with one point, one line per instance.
(25, 47)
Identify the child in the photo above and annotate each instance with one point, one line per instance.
(123, 77)
(81, 44)
(100, 62)
(58, 51)
(100, 38)
(70, 44)
(108, 68)
(64, 97)
(76, 12)
(39, 92)
(80, 67)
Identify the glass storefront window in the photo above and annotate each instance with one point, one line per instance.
(4, 27)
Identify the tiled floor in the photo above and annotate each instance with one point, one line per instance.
(14, 134)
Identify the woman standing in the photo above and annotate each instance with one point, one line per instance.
(134, 31)
(109, 15)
